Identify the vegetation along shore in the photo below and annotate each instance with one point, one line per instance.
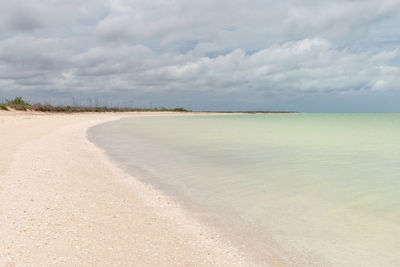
(18, 103)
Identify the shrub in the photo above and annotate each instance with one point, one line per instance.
(18, 103)
(179, 110)
(3, 107)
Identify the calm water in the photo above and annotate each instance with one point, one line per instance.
(307, 189)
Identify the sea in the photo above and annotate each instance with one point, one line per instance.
(291, 189)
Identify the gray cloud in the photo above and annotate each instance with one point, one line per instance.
(338, 19)
(17, 17)
(22, 21)
(186, 47)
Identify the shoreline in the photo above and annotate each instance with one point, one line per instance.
(64, 202)
(231, 231)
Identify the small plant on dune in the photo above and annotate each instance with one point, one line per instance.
(18, 103)
(3, 107)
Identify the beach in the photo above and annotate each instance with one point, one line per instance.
(64, 202)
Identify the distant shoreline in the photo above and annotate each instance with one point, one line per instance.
(21, 105)
(255, 112)
(68, 110)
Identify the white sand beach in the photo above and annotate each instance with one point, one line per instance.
(63, 202)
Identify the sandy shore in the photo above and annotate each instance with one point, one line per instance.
(63, 202)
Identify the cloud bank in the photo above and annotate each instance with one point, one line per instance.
(212, 47)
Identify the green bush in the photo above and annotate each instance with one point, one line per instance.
(3, 107)
(179, 110)
(18, 103)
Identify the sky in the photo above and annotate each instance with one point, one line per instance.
(302, 55)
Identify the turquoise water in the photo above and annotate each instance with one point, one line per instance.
(302, 189)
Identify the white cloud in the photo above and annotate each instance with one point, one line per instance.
(306, 65)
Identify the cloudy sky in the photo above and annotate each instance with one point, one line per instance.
(305, 55)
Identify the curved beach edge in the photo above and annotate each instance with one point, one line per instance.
(63, 201)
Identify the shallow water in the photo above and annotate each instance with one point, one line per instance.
(307, 189)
